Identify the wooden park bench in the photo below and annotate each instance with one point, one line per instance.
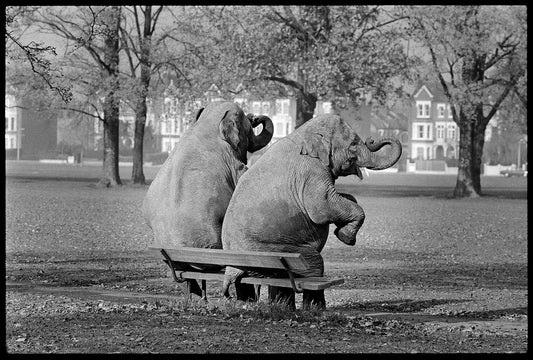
(182, 260)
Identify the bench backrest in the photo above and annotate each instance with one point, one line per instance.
(257, 259)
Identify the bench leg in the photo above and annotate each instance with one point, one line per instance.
(313, 298)
(246, 292)
(193, 288)
(282, 295)
(204, 290)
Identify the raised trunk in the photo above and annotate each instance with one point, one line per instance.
(260, 141)
(368, 158)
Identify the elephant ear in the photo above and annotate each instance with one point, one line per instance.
(318, 147)
(229, 131)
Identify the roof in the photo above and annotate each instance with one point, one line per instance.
(388, 119)
(434, 90)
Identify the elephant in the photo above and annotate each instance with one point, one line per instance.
(287, 200)
(186, 202)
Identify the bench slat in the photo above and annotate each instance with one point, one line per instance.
(310, 283)
(259, 259)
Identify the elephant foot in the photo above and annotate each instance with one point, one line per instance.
(282, 295)
(314, 299)
(347, 233)
(230, 276)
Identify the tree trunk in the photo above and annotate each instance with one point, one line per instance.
(305, 107)
(110, 175)
(478, 142)
(111, 103)
(137, 174)
(464, 186)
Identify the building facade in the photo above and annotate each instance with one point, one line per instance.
(433, 135)
(28, 134)
(12, 140)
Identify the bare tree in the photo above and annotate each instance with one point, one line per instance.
(34, 53)
(96, 30)
(478, 56)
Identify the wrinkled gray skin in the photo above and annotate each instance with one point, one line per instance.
(186, 203)
(287, 200)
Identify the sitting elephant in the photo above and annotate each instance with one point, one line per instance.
(287, 200)
(187, 200)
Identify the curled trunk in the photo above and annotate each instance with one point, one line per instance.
(369, 159)
(260, 141)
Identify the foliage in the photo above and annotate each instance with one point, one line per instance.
(455, 36)
(328, 51)
(478, 55)
(20, 47)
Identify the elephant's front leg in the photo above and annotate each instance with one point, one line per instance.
(325, 206)
(347, 231)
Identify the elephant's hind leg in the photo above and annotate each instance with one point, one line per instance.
(313, 298)
(246, 292)
(282, 295)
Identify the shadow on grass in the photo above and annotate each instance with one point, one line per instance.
(415, 307)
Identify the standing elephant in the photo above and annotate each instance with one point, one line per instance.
(187, 200)
(287, 200)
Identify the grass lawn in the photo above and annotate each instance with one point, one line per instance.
(425, 256)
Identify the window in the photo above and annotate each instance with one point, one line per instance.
(266, 108)
(7, 142)
(13, 143)
(256, 107)
(278, 129)
(440, 131)
(420, 131)
(422, 109)
(450, 115)
(440, 110)
(176, 126)
(451, 132)
(429, 153)
(13, 124)
(7, 123)
(282, 107)
(288, 130)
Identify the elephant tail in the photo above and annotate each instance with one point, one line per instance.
(230, 276)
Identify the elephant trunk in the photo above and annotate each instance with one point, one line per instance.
(369, 159)
(260, 141)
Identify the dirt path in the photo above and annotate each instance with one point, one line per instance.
(367, 330)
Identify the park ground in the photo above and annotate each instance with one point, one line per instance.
(428, 273)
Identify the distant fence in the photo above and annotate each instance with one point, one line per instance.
(432, 166)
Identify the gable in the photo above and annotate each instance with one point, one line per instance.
(423, 94)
